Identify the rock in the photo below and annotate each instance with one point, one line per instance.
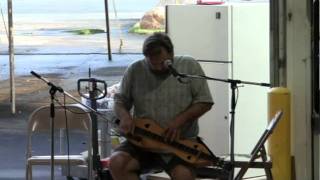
(153, 19)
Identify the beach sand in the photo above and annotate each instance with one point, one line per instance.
(53, 37)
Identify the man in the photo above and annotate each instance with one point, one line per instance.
(151, 91)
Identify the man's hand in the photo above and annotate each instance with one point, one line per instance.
(126, 125)
(126, 121)
(191, 113)
(172, 132)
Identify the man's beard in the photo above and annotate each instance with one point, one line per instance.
(159, 73)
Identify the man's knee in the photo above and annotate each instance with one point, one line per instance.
(121, 161)
(181, 172)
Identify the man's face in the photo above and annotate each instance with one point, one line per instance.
(157, 58)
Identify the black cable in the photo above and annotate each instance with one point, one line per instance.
(67, 133)
(65, 107)
(88, 112)
(68, 109)
(99, 90)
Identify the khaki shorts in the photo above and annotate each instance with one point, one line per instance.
(150, 161)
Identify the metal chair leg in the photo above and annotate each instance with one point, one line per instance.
(28, 172)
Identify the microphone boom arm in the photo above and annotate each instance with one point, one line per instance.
(182, 75)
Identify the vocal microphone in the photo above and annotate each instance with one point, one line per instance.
(168, 64)
(181, 77)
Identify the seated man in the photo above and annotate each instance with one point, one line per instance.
(149, 89)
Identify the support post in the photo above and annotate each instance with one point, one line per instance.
(278, 54)
(11, 59)
(106, 12)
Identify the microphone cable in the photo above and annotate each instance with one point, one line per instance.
(67, 134)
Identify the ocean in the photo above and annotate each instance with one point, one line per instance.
(59, 10)
(52, 10)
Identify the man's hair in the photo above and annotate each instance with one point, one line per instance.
(154, 42)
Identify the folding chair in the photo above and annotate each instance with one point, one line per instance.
(39, 122)
(257, 152)
(260, 151)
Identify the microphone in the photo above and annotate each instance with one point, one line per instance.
(35, 74)
(168, 64)
(182, 78)
(46, 81)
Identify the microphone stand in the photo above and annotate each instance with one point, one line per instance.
(233, 85)
(52, 91)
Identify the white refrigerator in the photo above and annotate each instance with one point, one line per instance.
(230, 41)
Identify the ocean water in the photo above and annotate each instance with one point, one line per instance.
(58, 10)
(38, 10)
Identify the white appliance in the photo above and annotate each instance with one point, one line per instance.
(230, 41)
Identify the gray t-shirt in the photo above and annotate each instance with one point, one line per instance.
(162, 97)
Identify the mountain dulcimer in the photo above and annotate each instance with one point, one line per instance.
(148, 134)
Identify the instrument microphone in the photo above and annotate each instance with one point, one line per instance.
(168, 64)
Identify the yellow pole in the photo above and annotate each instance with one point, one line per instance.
(279, 142)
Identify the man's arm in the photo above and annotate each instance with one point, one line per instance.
(126, 121)
(123, 102)
(190, 114)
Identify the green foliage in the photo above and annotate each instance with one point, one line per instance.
(138, 30)
(87, 31)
